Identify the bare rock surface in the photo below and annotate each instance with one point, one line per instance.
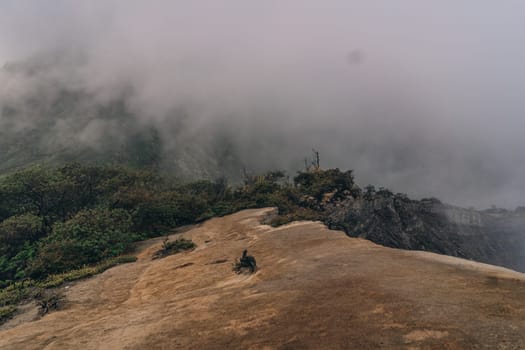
(314, 289)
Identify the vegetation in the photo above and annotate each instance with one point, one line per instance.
(54, 220)
(16, 292)
(59, 224)
(174, 247)
(245, 263)
(87, 271)
(48, 301)
(6, 313)
(26, 289)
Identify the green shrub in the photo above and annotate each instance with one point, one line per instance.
(88, 271)
(28, 289)
(297, 215)
(6, 313)
(174, 247)
(318, 183)
(49, 301)
(16, 292)
(18, 235)
(18, 229)
(89, 237)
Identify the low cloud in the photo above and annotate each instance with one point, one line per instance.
(422, 98)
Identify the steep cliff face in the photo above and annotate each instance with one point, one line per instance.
(491, 236)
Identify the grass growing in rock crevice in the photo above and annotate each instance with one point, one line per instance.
(6, 313)
(27, 290)
(174, 247)
(88, 271)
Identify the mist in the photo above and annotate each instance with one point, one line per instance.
(425, 98)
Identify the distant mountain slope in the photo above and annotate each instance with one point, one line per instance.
(44, 119)
(315, 288)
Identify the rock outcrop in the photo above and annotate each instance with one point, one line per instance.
(494, 236)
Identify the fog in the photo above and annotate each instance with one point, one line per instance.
(425, 98)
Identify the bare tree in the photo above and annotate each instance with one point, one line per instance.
(316, 163)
